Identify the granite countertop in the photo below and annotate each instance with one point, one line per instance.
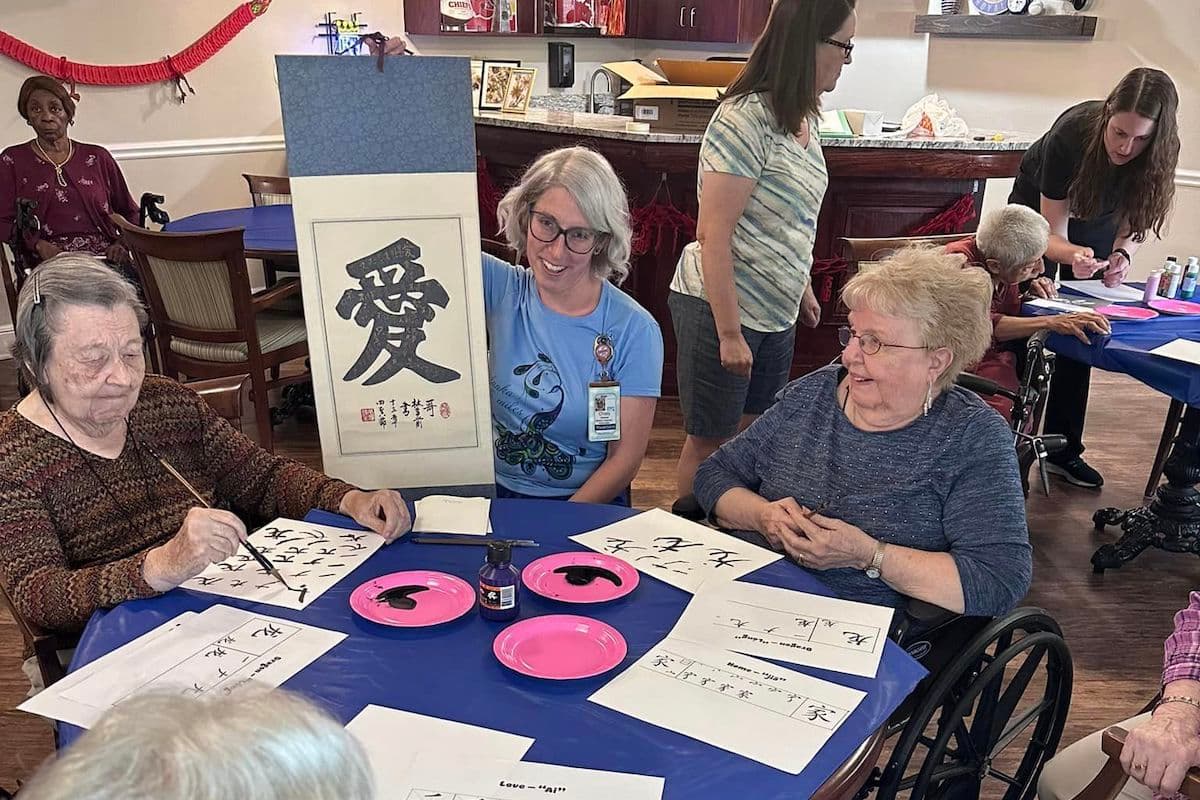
(607, 126)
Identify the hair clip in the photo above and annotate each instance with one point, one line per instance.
(37, 289)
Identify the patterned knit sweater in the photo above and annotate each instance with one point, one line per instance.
(73, 538)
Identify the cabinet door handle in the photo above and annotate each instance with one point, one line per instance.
(693, 17)
(682, 10)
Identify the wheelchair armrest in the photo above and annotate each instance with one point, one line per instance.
(984, 386)
(148, 209)
(920, 616)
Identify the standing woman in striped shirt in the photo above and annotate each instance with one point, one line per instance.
(740, 288)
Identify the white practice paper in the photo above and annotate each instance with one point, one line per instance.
(1180, 350)
(379, 729)
(1098, 289)
(747, 706)
(786, 625)
(218, 650)
(441, 513)
(1061, 305)
(672, 549)
(474, 779)
(310, 557)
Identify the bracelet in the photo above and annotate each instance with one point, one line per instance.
(1179, 698)
(1123, 252)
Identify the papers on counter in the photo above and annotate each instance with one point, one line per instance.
(677, 551)
(1116, 294)
(787, 626)
(217, 650)
(741, 704)
(311, 558)
(1180, 350)
(441, 513)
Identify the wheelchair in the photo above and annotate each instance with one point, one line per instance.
(1036, 367)
(989, 715)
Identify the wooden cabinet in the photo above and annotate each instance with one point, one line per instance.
(727, 21)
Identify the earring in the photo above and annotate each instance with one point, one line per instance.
(928, 398)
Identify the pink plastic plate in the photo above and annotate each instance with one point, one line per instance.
(418, 598)
(1179, 308)
(560, 647)
(581, 577)
(1127, 313)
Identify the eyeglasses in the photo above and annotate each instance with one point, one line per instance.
(581, 241)
(869, 344)
(848, 47)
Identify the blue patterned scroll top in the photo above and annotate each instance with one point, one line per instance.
(341, 116)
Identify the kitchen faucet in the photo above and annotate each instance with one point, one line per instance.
(591, 103)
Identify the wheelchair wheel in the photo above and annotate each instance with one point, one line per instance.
(1010, 687)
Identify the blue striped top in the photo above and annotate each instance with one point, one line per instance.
(773, 241)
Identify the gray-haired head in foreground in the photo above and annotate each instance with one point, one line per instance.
(1014, 235)
(265, 744)
(69, 280)
(590, 180)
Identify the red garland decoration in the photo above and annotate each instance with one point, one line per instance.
(171, 68)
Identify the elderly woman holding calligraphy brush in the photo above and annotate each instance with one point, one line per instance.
(75, 185)
(879, 472)
(90, 516)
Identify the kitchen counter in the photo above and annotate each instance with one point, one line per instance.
(607, 126)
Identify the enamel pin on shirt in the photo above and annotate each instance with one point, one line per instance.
(604, 397)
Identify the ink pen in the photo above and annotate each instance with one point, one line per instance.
(259, 557)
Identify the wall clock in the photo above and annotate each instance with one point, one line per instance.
(1018, 6)
(990, 7)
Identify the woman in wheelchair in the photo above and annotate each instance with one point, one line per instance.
(1009, 246)
(879, 472)
(75, 186)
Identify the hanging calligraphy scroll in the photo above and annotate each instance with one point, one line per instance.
(382, 167)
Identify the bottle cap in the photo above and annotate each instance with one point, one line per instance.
(499, 552)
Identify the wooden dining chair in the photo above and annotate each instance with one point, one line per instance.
(272, 190)
(223, 395)
(209, 323)
(1112, 778)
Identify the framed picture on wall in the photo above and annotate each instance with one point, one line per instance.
(476, 82)
(495, 83)
(520, 89)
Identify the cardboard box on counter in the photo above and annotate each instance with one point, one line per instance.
(683, 98)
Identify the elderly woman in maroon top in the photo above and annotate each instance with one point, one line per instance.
(1009, 245)
(75, 185)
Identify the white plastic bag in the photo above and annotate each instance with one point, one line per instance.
(931, 116)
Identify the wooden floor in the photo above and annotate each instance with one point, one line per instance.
(1115, 624)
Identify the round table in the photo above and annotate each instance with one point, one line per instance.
(269, 231)
(449, 671)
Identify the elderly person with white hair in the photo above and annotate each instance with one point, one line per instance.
(575, 363)
(1009, 246)
(89, 515)
(880, 473)
(253, 742)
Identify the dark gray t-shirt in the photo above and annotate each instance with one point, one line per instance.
(948, 482)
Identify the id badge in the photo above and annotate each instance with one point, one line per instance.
(604, 411)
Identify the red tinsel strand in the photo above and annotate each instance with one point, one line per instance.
(187, 60)
(949, 221)
(489, 198)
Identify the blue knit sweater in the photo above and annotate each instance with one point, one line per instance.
(947, 482)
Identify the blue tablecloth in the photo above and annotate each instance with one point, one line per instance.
(450, 672)
(1128, 349)
(269, 229)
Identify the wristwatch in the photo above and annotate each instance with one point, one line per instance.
(875, 568)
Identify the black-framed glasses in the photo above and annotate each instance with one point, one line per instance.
(847, 47)
(870, 344)
(581, 241)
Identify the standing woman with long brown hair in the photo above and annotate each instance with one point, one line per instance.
(740, 288)
(1104, 178)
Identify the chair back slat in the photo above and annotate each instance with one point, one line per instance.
(269, 190)
(195, 293)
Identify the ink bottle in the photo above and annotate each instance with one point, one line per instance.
(499, 584)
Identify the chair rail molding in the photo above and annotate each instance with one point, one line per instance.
(182, 148)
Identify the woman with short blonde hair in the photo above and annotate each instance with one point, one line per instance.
(880, 473)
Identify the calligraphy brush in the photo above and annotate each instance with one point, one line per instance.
(259, 557)
(421, 538)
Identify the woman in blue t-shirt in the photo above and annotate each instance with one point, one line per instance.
(575, 363)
